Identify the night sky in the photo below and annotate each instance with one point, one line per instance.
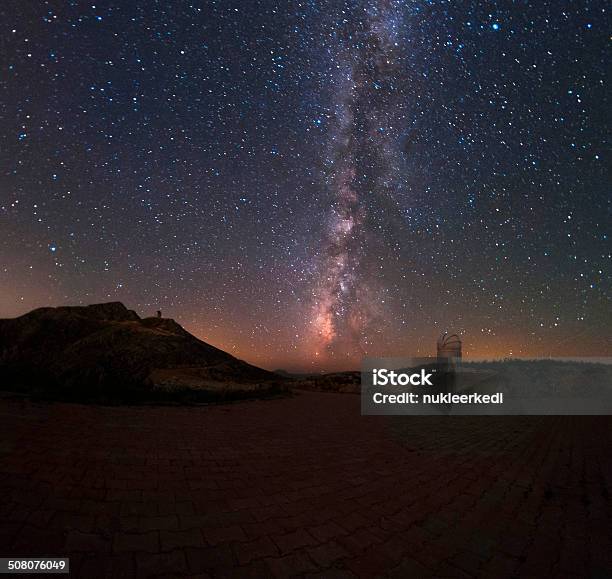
(303, 183)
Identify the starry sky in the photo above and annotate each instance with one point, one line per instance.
(305, 183)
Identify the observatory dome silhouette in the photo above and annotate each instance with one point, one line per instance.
(449, 346)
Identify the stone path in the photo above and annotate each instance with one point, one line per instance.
(304, 486)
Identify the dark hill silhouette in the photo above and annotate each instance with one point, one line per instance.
(108, 351)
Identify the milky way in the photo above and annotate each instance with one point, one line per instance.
(362, 172)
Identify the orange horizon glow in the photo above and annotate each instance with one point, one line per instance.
(314, 358)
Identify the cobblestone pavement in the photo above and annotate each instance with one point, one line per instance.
(304, 486)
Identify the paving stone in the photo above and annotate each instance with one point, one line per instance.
(327, 554)
(327, 531)
(210, 559)
(292, 541)
(171, 540)
(173, 564)
(217, 535)
(87, 542)
(134, 542)
(257, 549)
(304, 485)
(292, 565)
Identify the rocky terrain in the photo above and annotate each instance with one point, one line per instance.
(106, 351)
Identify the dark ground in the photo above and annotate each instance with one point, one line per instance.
(304, 485)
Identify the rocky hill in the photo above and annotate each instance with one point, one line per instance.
(107, 351)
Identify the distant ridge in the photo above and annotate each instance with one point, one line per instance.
(107, 351)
